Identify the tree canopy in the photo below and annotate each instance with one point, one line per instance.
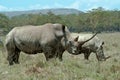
(99, 20)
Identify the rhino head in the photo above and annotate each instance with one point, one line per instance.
(100, 53)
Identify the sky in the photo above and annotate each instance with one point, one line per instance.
(82, 5)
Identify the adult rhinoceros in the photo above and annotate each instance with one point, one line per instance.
(46, 38)
(94, 45)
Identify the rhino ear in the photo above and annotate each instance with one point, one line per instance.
(76, 39)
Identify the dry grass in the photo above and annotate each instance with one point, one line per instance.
(34, 67)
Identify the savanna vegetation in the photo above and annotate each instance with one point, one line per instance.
(94, 20)
(35, 67)
(73, 67)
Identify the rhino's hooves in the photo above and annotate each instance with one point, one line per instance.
(17, 62)
(11, 64)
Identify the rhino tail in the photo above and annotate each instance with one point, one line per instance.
(9, 42)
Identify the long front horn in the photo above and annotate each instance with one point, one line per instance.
(82, 42)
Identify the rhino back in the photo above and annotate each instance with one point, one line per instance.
(30, 38)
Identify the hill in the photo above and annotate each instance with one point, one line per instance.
(57, 11)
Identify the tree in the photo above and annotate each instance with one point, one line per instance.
(4, 23)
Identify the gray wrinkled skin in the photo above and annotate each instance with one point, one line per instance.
(37, 39)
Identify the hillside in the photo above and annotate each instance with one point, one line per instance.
(57, 11)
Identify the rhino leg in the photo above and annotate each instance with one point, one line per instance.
(48, 56)
(16, 57)
(86, 55)
(60, 54)
(60, 57)
(10, 57)
(10, 48)
(49, 53)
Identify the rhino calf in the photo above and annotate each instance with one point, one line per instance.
(94, 45)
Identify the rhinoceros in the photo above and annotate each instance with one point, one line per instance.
(46, 38)
(94, 45)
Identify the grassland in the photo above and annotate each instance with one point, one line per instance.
(34, 67)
